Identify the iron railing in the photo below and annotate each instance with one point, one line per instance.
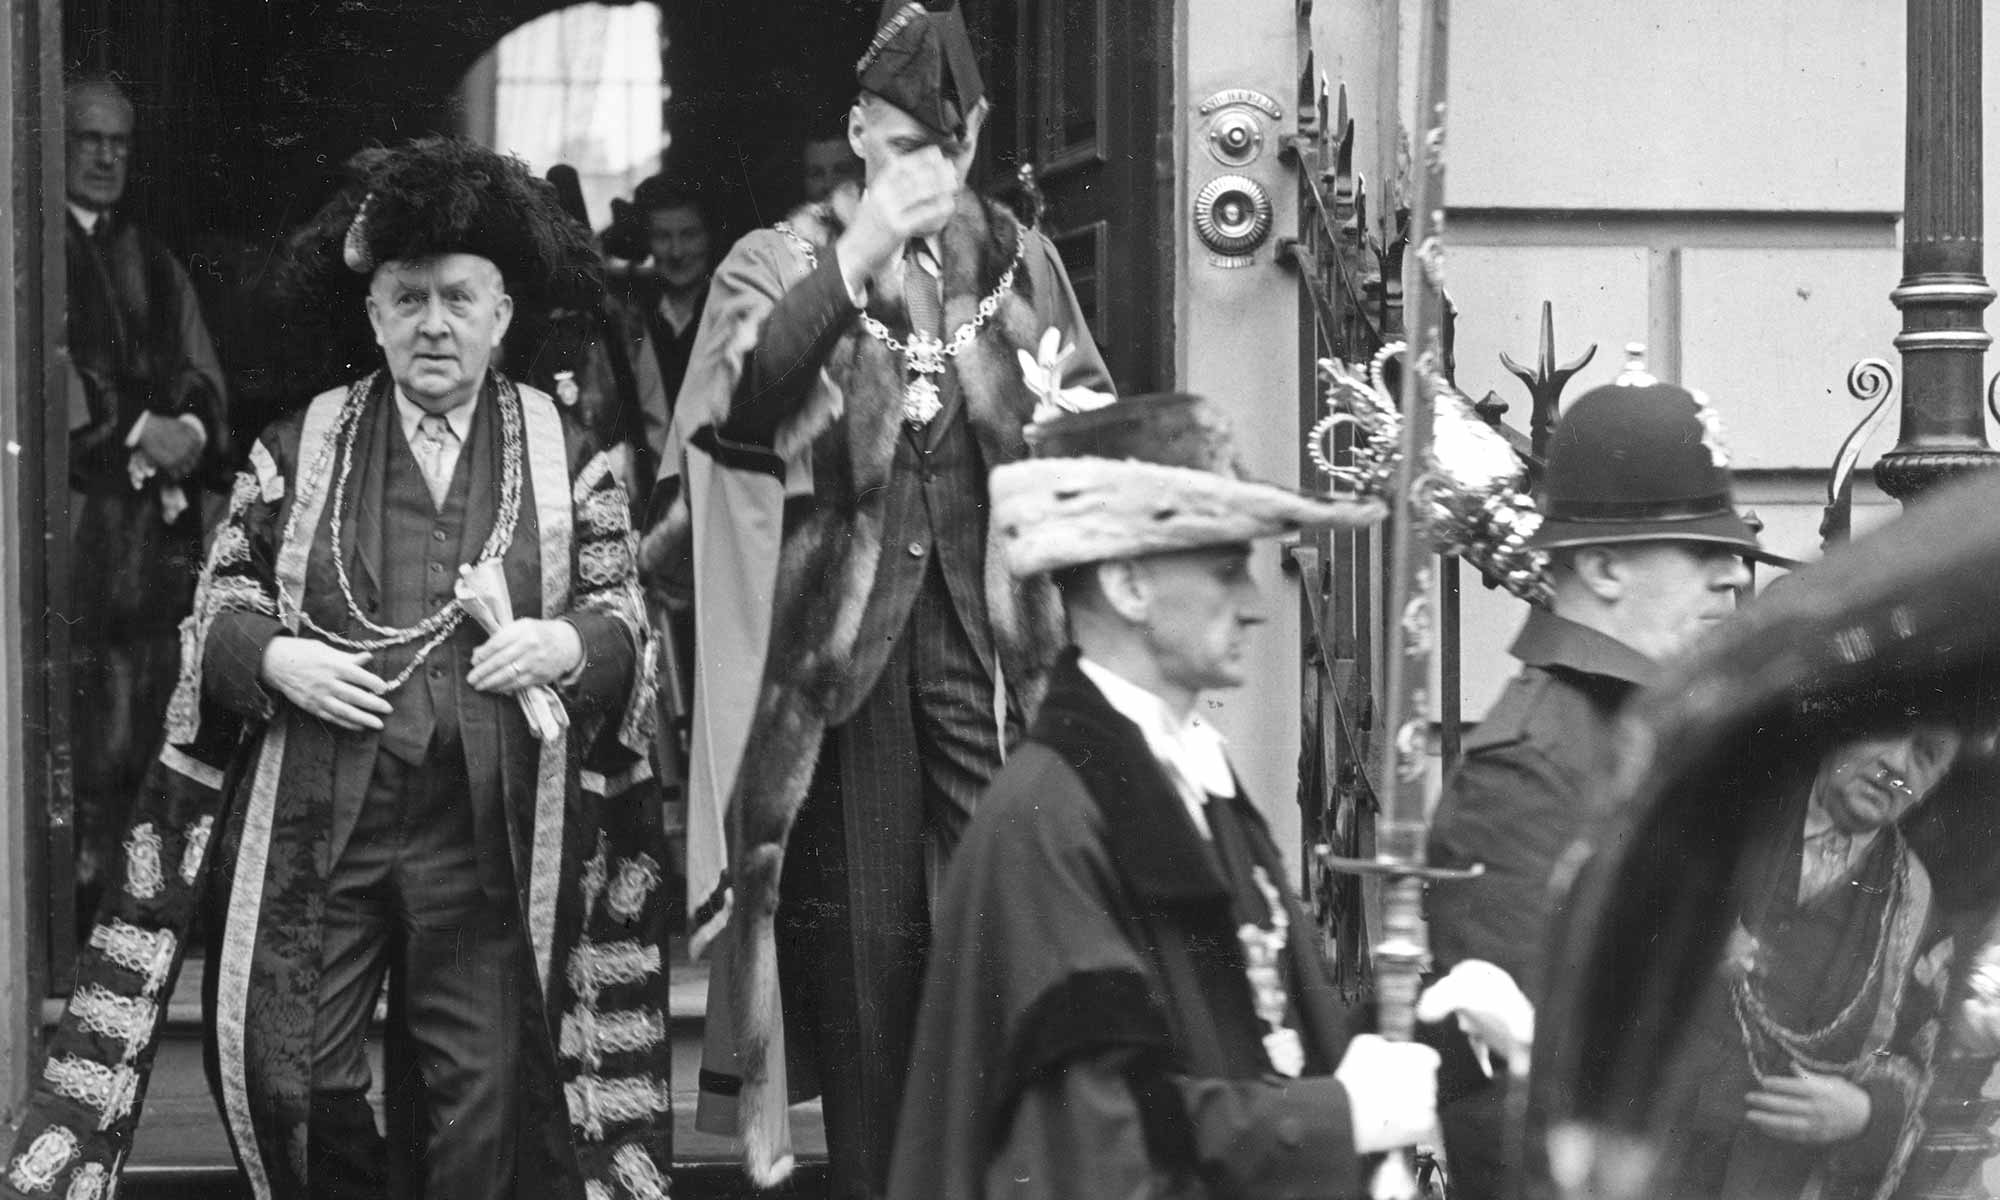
(1351, 304)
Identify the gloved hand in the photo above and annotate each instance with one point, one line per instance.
(1491, 1009)
(1391, 1092)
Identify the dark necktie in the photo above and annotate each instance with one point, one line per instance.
(921, 291)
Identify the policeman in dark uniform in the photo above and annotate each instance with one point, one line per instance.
(1646, 553)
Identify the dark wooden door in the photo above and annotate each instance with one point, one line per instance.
(1091, 87)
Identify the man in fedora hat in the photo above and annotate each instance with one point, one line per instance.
(387, 785)
(856, 375)
(1125, 997)
(1646, 554)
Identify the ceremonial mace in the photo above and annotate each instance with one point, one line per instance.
(1402, 831)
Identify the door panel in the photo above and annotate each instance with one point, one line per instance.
(1090, 113)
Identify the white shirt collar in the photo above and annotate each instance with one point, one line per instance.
(460, 418)
(677, 311)
(1191, 749)
(932, 259)
(1829, 854)
(86, 217)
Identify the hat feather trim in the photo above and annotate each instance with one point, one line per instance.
(1064, 512)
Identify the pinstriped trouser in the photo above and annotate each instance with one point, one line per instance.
(894, 789)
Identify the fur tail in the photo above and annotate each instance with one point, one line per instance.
(762, 1105)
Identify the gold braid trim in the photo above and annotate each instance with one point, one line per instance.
(607, 555)
(225, 586)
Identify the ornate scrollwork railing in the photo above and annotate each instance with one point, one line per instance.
(1351, 305)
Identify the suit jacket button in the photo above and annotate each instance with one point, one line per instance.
(916, 549)
(1290, 1132)
(437, 535)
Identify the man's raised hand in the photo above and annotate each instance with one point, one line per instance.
(330, 684)
(912, 196)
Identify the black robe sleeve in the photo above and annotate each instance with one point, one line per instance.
(1041, 1070)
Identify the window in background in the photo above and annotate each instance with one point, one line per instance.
(583, 85)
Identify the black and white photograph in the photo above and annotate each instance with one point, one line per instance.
(999, 600)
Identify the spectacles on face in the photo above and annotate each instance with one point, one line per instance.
(102, 145)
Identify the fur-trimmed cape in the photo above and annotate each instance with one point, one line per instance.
(783, 598)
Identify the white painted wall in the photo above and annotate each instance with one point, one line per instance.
(1238, 345)
(1777, 105)
(1719, 180)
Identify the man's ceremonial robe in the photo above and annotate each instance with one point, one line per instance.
(806, 556)
(139, 350)
(241, 808)
(1840, 964)
(1088, 1029)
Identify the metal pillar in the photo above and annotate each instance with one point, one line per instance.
(1943, 344)
(1944, 288)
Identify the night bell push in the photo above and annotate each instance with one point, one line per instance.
(1232, 215)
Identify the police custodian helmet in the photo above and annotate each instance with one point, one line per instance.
(1639, 460)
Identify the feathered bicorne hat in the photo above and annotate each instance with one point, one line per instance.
(1144, 475)
(425, 198)
(921, 60)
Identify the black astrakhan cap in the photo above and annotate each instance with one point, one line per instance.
(922, 62)
(425, 198)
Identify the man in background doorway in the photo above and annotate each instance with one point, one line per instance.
(824, 164)
(148, 419)
(660, 306)
(679, 233)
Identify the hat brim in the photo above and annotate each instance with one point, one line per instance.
(1723, 529)
(1050, 513)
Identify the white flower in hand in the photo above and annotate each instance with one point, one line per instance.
(1043, 375)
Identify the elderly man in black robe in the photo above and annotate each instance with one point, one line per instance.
(1125, 997)
(148, 420)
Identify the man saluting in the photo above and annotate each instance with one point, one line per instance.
(856, 375)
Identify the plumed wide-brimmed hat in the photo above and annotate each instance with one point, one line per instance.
(1639, 460)
(922, 62)
(429, 197)
(1145, 475)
